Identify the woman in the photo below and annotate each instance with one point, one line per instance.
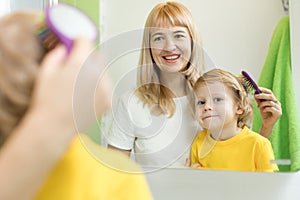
(156, 121)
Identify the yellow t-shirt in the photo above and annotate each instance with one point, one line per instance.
(247, 151)
(80, 176)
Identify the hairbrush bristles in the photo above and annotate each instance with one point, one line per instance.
(47, 37)
(249, 83)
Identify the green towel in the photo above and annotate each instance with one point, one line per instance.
(277, 76)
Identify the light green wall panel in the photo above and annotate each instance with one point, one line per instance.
(91, 8)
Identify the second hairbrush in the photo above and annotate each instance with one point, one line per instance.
(62, 23)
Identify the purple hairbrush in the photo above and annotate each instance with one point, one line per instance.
(249, 83)
(63, 23)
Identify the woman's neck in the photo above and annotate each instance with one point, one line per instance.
(176, 82)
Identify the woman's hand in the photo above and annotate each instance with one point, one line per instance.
(270, 110)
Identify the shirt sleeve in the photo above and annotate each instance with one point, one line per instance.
(264, 154)
(118, 129)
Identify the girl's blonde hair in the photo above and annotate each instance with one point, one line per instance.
(235, 84)
(150, 90)
(20, 54)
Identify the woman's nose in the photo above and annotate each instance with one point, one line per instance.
(170, 44)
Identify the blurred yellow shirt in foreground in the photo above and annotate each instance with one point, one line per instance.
(88, 171)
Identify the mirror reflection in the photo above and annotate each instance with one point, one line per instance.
(154, 118)
(235, 36)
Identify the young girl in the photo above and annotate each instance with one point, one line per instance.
(224, 110)
(156, 122)
(52, 146)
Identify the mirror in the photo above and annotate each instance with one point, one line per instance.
(236, 34)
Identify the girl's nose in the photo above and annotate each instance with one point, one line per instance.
(207, 106)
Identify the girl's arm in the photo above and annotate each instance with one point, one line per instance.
(48, 127)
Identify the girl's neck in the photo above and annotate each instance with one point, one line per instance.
(225, 133)
(176, 82)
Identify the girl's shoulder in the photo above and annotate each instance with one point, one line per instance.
(253, 136)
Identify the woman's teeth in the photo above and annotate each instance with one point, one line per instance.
(171, 57)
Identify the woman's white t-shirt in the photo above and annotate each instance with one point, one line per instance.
(156, 141)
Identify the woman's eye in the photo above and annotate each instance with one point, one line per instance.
(157, 39)
(179, 36)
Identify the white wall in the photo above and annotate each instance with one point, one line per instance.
(295, 46)
(236, 33)
(4, 7)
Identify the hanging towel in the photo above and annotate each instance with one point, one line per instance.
(277, 76)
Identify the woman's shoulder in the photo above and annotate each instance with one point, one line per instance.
(128, 98)
(130, 105)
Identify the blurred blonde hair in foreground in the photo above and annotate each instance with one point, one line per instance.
(78, 174)
(20, 55)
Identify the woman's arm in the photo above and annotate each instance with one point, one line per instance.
(30, 153)
(270, 110)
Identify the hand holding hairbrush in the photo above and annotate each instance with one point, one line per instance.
(250, 84)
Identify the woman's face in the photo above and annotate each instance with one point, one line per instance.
(171, 48)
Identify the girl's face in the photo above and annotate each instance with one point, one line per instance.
(171, 48)
(216, 107)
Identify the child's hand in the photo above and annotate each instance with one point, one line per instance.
(188, 164)
(67, 86)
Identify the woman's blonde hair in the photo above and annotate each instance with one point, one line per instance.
(150, 90)
(20, 54)
(235, 84)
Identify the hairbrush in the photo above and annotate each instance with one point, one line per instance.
(249, 83)
(62, 23)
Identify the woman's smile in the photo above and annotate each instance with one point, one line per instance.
(172, 58)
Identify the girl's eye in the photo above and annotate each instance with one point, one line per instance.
(200, 102)
(218, 99)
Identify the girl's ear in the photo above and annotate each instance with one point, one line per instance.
(239, 110)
